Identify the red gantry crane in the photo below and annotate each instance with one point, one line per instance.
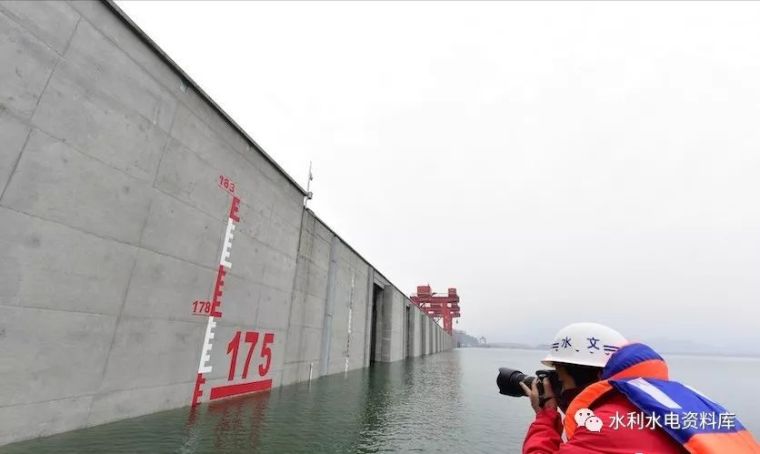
(440, 307)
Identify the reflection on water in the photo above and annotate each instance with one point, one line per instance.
(390, 407)
(441, 403)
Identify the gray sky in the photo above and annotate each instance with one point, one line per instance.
(556, 162)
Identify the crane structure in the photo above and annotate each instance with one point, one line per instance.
(440, 307)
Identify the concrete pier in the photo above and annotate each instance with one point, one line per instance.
(122, 184)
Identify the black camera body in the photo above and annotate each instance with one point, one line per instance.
(509, 381)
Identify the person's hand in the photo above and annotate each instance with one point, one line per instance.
(549, 399)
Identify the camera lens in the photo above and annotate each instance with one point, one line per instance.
(509, 381)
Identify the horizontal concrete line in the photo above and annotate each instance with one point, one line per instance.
(11, 17)
(180, 99)
(87, 155)
(228, 323)
(140, 247)
(190, 321)
(231, 148)
(242, 154)
(320, 297)
(123, 172)
(108, 96)
(108, 238)
(216, 110)
(196, 320)
(169, 91)
(300, 361)
(257, 282)
(169, 137)
(222, 222)
(265, 245)
(314, 327)
(97, 28)
(95, 395)
(201, 320)
(213, 165)
(137, 388)
(21, 118)
(190, 205)
(47, 309)
(168, 194)
(311, 263)
(79, 396)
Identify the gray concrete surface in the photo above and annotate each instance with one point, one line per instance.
(111, 222)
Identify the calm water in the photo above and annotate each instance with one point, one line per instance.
(441, 403)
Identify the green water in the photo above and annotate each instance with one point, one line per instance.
(441, 403)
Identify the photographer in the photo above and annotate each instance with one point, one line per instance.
(618, 398)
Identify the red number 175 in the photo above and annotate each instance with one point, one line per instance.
(251, 338)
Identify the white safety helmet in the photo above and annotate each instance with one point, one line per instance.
(585, 344)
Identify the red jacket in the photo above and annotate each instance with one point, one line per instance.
(544, 434)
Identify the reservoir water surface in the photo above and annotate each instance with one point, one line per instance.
(441, 403)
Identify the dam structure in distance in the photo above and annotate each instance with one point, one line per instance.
(153, 255)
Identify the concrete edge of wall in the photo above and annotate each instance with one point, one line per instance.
(131, 218)
(123, 16)
(189, 80)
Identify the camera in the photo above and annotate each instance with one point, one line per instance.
(509, 381)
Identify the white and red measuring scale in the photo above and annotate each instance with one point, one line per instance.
(248, 380)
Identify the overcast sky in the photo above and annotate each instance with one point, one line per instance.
(555, 162)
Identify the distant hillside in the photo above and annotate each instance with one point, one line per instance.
(518, 345)
(462, 339)
(661, 345)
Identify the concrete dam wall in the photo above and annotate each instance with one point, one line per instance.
(152, 256)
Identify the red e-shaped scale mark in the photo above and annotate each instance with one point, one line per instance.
(213, 310)
(204, 365)
(224, 261)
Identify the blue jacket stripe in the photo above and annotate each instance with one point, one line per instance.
(628, 356)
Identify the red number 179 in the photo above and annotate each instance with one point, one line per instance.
(251, 338)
